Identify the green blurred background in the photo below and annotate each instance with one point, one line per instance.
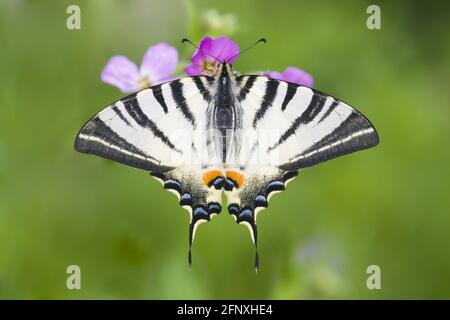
(387, 206)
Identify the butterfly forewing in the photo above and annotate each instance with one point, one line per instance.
(151, 129)
(308, 126)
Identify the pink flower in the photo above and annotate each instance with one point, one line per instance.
(294, 75)
(210, 53)
(159, 63)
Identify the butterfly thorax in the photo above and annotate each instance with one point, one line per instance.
(225, 119)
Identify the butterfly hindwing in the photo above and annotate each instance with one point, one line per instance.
(253, 194)
(202, 201)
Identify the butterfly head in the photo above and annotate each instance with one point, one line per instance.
(220, 68)
(224, 70)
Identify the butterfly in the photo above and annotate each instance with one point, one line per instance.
(246, 136)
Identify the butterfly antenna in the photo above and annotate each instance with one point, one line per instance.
(262, 40)
(196, 47)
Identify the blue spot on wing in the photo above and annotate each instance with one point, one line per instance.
(186, 200)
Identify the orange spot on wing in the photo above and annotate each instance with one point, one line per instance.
(209, 176)
(236, 177)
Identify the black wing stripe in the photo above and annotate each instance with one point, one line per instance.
(329, 110)
(134, 110)
(290, 93)
(98, 129)
(121, 116)
(157, 93)
(247, 86)
(99, 139)
(178, 96)
(353, 134)
(269, 96)
(201, 87)
(315, 106)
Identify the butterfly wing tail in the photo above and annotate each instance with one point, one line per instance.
(247, 200)
(201, 202)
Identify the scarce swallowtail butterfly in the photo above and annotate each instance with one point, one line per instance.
(247, 136)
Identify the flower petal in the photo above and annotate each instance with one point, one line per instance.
(204, 50)
(159, 62)
(294, 75)
(121, 73)
(199, 58)
(209, 51)
(224, 49)
(274, 75)
(194, 70)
